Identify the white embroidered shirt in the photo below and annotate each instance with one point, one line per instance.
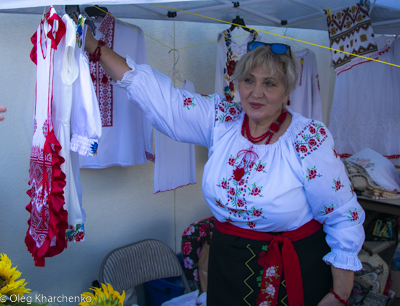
(269, 188)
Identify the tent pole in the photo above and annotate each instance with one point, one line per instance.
(227, 4)
(306, 5)
(372, 7)
(374, 24)
(254, 12)
(315, 15)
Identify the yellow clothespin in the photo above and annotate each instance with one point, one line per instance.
(328, 11)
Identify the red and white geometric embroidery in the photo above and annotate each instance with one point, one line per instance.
(40, 217)
(101, 79)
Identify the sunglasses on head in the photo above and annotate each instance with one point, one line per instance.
(276, 48)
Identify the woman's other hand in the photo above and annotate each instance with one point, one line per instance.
(90, 42)
(3, 109)
(329, 300)
(343, 281)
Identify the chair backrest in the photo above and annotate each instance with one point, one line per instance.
(140, 262)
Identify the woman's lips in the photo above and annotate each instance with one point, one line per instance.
(256, 105)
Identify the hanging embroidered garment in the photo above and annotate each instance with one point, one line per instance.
(48, 219)
(175, 165)
(228, 53)
(306, 97)
(65, 103)
(365, 107)
(126, 133)
(350, 31)
(80, 122)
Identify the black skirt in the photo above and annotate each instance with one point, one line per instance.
(234, 274)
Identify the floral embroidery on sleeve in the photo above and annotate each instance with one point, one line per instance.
(351, 188)
(327, 209)
(75, 233)
(188, 103)
(310, 138)
(312, 173)
(227, 111)
(335, 153)
(353, 215)
(337, 184)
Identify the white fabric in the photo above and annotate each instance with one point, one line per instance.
(175, 165)
(379, 168)
(230, 50)
(125, 142)
(306, 98)
(76, 113)
(315, 182)
(396, 50)
(188, 299)
(366, 107)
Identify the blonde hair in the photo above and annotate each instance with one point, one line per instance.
(277, 64)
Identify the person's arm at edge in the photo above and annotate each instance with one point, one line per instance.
(114, 64)
(2, 110)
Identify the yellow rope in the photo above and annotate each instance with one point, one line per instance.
(223, 21)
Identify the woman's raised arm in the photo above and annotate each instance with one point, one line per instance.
(114, 64)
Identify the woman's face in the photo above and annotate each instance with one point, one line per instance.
(262, 95)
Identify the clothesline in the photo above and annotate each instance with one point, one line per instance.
(261, 31)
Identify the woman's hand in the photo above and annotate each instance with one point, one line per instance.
(329, 300)
(2, 110)
(343, 281)
(90, 42)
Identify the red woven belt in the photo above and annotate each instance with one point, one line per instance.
(275, 260)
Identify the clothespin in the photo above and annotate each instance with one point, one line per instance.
(362, 2)
(328, 11)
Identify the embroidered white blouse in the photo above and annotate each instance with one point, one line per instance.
(268, 188)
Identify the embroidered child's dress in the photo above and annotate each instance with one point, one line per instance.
(48, 219)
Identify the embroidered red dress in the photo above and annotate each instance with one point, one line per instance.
(48, 220)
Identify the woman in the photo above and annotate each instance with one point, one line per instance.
(288, 225)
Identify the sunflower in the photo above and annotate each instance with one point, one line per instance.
(9, 285)
(109, 297)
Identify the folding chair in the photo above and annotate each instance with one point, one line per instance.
(140, 262)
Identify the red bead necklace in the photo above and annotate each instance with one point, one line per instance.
(273, 128)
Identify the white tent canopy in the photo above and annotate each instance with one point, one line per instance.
(305, 14)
